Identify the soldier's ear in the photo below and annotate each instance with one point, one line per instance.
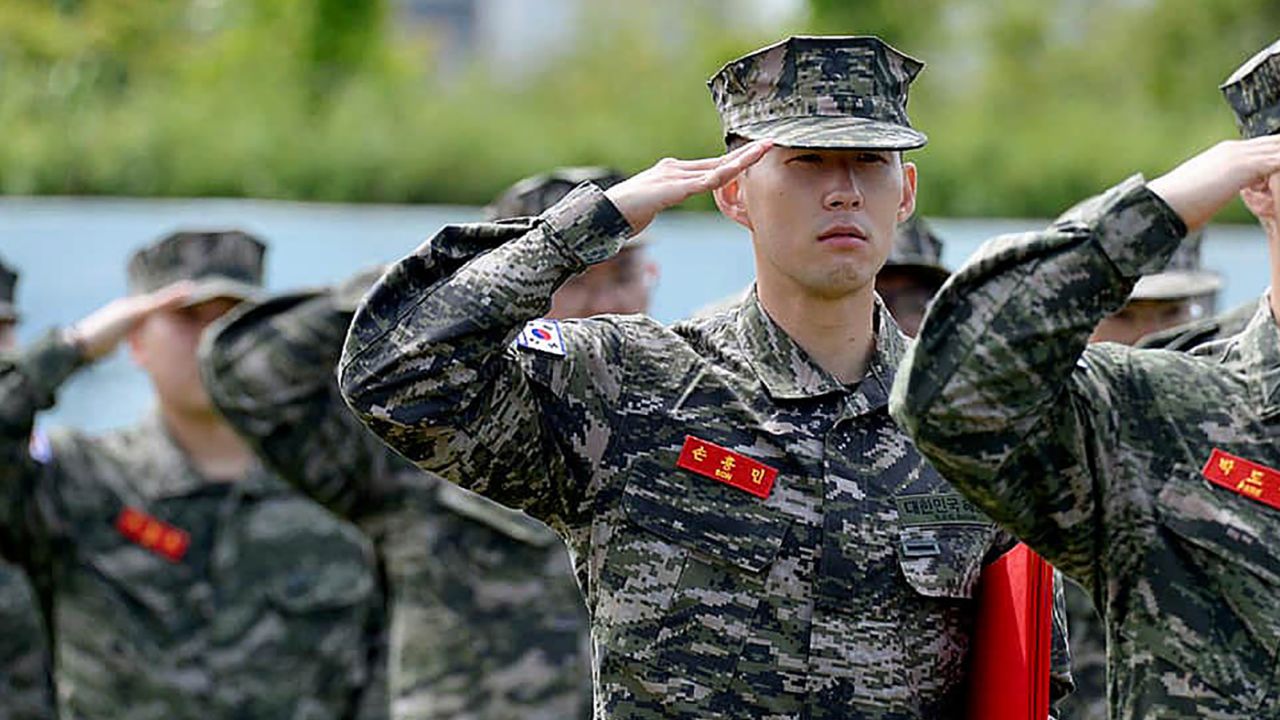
(1261, 198)
(732, 201)
(907, 205)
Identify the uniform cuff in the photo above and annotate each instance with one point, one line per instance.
(48, 363)
(1136, 228)
(587, 225)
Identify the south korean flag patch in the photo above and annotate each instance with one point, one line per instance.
(543, 336)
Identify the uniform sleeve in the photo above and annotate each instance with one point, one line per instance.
(29, 381)
(270, 370)
(999, 391)
(429, 364)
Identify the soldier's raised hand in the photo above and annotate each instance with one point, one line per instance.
(642, 196)
(100, 332)
(1198, 188)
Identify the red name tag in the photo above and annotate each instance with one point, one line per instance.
(730, 468)
(1250, 479)
(160, 538)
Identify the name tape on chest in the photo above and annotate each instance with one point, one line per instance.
(159, 537)
(542, 336)
(1254, 481)
(724, 465)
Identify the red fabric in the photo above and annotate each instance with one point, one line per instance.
(1009, 670)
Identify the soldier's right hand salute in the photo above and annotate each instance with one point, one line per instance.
(101, 331)
(1198, 188)
(670, 182)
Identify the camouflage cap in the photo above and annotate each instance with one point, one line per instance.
(222, 263)
(820, 92)
(533, 195)
(8, 293)
(1182, 278)
(1253, 91)
(918, 249)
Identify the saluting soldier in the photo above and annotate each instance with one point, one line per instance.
(1149, 476)
(26, 680)
(754, 535)
(185, 580)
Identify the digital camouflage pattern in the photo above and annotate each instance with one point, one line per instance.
(1093, 454)
(820, 92)
(1253, 92)
(536, 193)
(487, 620)
(272, 612)
(1088, 657)
(1192, 335)
(26, 685)
(1183, 277)
(847, 593)
(221, 263)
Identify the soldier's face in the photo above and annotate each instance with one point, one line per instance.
(8, 335)
(1140, 318)
(822, 221)
(165, 345)
(621, 284)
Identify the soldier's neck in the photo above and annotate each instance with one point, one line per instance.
(210, 444)
(838, 333)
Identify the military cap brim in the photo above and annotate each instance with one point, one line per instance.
(1176, 285)
(215, 288)
(834, 133)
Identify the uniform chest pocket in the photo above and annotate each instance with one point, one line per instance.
(1206, 598)
(942, 542)
(685, 575)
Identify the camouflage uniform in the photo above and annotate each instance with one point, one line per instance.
(844, 592)
(487, 620)
(26, 682)
(174, 596)
(1099, 457)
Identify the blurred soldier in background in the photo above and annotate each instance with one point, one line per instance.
(26, 680)
(912, 274)
(488, 622)
(1181, 293)
(186, 582)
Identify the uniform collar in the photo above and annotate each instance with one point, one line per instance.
(1260, 355)
(168, 471)
(788, 373)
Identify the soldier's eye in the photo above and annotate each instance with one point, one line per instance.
(807, 159)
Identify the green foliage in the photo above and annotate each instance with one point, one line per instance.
(1029, 106)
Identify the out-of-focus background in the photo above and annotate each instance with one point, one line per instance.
(345, 132)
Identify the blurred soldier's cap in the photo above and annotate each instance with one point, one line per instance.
(533, 195)
(918, 249)
(1182, 278)
(221, 263)
(8, 293)
(1253, 91)
(835, 92)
